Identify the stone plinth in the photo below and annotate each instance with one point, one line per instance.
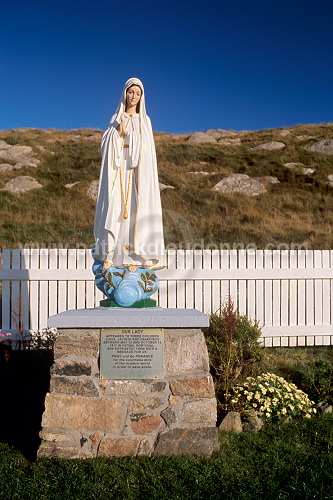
(87, 416)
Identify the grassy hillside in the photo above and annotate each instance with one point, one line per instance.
(298, 210)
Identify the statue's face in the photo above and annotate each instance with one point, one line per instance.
(133, 96)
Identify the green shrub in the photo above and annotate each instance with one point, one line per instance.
(272, 396)
(317, 380)
(233, 345)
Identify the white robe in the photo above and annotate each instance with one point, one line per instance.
(138, 239)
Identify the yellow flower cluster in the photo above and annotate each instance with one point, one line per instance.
(273, 396)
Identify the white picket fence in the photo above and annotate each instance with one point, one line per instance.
(290, 292)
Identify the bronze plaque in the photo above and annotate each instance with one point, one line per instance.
(131, 353)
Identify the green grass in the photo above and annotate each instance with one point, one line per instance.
(293, 460)
(298, 210)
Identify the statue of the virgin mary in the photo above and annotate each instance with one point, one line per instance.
(128, 223)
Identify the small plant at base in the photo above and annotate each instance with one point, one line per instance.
(273, 397)
(43, 339)
(317, 380)
(233, 344)
(4, 338)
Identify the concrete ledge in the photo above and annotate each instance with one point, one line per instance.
(118, 317)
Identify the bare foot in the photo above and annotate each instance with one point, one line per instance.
(107, 264)
(132, 269)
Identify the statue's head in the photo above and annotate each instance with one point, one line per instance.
(133, 96)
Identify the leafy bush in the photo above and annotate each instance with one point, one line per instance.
(233, 345)
(317, 380)
(273, 397)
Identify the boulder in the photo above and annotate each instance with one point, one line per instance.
(164, 186)
(93, 190)
(284, 132)
(22, 184)
(230, 142)
(270, 146)
(17, 156)
(267, 179)
(240, 183)
(201, 137)
(97, 136)
(231, 422)
(305, 137)
(201, 172)
(293, 165)
(218, 133)
(252, 421)
(330, 180)
(303, 169)
(324, 407)
(322, 147)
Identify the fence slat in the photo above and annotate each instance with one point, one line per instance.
(326, 292)
(207, 284)
(6, 295)
(90, 285)
(43, 288)
(216, 285)
(62, 285)
(71, 285)
(242, 284)
(17, 306)
(309, 290)
(80, 285)
(53, 285)
(268, 292)
(34, 291)
(172, 284)
(180, 284)
(25, 288)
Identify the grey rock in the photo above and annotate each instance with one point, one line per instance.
(185, 441)
(305, 137)
(93, 190)
(284, 132)
(201, 137)
(201, 172)
(22, 184)
(322, 147)
(164, 186)
(330, 180)
(185, 352)
(9, 166)
(324, 407)
(301, 167)
(267, 179)
(270, 146)
(252, 422)
(74, 385)
(219, 133)
(168, 416)
(73, 184)
(293, 165)
(240, 183)
(95, 137)
(23, 156)
(308, 171)
(229, 142)
(232, 422)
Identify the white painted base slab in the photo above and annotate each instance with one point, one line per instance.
(118, 317)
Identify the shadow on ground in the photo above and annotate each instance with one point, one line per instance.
(25, 380)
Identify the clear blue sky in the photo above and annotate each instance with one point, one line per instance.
(241, 65)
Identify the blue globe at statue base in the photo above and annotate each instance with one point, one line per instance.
(123, 287)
